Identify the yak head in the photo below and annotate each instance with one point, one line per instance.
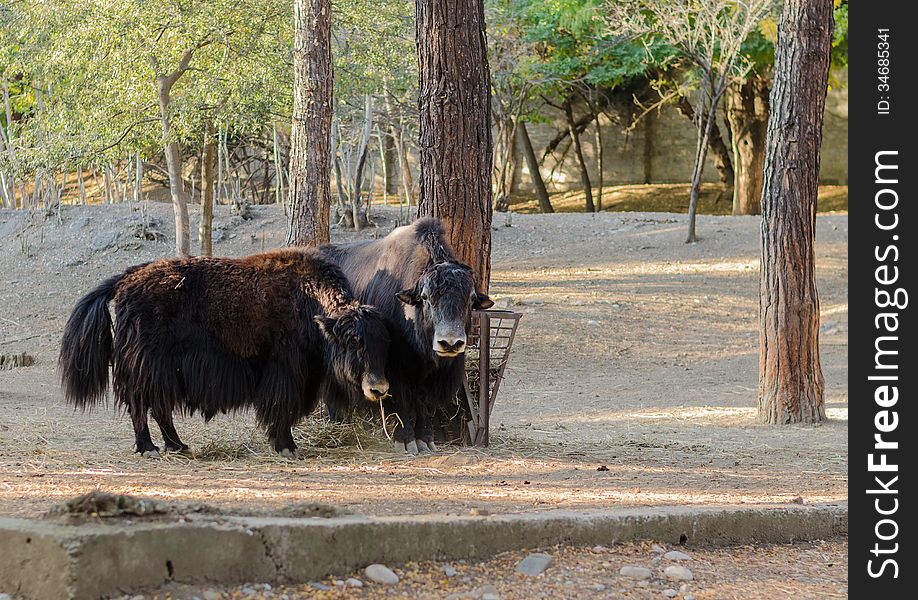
(358, 342)
(445, 296)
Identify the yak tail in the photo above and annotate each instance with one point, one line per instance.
(86, 348)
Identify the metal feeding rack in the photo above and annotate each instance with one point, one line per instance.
(486, 359)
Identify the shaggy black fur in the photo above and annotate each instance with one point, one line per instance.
(413, 277)
(214, 335)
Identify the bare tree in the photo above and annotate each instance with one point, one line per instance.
(511, 91)
(532, 164)
(790, 375)
(709, 34)
(164, 84)
(310, 193)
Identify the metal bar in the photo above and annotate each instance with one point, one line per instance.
(484, 387)
(506, 358)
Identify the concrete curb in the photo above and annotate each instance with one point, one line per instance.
(47, 560)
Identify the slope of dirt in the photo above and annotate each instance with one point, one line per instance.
(632, 380)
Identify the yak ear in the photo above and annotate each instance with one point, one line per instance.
(482, 301)
(326, 326)
(410, 296)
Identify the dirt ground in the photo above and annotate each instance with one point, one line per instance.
(632, 380)
(812, 570)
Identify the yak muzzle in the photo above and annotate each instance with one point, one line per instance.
(375, 388)
(449, 345)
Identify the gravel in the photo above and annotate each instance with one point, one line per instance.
(635, 572)
(752, 573)
(678, 573)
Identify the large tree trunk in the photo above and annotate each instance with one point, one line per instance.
(454, 103)
(533, 165)
(747, 113)
(578, 151)
(790, 375)
(310, 193)
(205, 232)
(174, 168)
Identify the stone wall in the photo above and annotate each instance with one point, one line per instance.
(661, 147)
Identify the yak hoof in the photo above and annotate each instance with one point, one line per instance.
(426, 447)
(287, 453)
(151, 454)
(406, 448)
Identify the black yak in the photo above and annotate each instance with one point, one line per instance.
(216, 335)
(413, 277)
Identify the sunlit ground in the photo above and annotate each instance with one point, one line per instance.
(632, 382)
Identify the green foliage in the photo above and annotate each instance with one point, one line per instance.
(840, 38)
(91, 66)
(373, 53)
(759, 47)
(373, 47)
(573, 45)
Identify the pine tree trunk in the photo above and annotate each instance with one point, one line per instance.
(309, 189)
(533, 165)
(747, 113)
(454, 103)
(790, 375)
